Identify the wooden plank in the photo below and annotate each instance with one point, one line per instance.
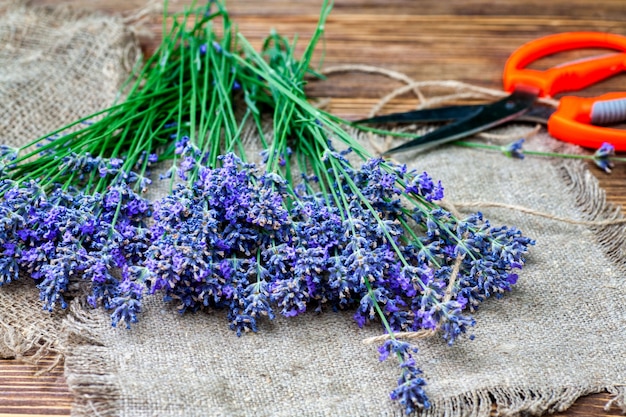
(25, 393)
(430, 39)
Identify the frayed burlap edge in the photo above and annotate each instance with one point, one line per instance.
(89, 368)
(24, 339)
(591, 200)
(509, 402)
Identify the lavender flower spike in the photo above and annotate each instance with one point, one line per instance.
(514, 149)
(410, 391)
(128, 303)
(602, 157)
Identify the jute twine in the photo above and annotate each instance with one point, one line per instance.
(461, 91)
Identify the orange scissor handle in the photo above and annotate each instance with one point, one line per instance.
(572, 121)
(568, 77)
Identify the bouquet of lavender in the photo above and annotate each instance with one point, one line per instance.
(317, 223)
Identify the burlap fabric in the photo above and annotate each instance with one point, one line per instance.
(557, 336)
(56, 65)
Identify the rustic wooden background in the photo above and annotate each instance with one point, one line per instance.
(465, 40)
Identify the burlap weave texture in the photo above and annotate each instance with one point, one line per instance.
(557, 336)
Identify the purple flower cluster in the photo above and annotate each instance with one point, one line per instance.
(208, 240)
(514, 149)
(230, 242)
(241, 240)
(8, 153)
(410, 392)
(60, 235)
(602, 157)
(365, 255)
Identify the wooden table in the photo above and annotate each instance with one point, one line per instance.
(465, 40)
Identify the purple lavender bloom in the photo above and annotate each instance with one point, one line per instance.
(290, 295)
(9, 266)
(251, 303)
(56, 277)
(116, 163)
(424, 186)
(169, 173)
(127, 304)
(410, 391)
(204, 238)
(602, 157)
(514, 149)
(396, 347)
(8, 153)
(112, 198)
(181, 145)
(185, 166)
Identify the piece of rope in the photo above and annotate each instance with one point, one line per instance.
(395, 75)
(453, 276)
(522, 209)
(421, 334)
(143, 13)
(137, 20)
(463, 90)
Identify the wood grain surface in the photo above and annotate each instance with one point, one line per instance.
(461, 40)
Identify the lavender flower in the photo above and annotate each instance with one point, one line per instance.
(8, 153)
(181, 145)
(61, 235)
(602, 157)
(410, 391)
(217, 47)
(206, 239)
(424, 186)
(514, 149)
(127, 303)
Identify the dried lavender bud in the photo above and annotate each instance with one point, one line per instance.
(514, 149)
(602, 157)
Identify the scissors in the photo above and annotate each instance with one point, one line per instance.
(577, 120)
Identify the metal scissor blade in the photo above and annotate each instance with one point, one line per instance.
(487, 117)
(537, 114)
(441, 114)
